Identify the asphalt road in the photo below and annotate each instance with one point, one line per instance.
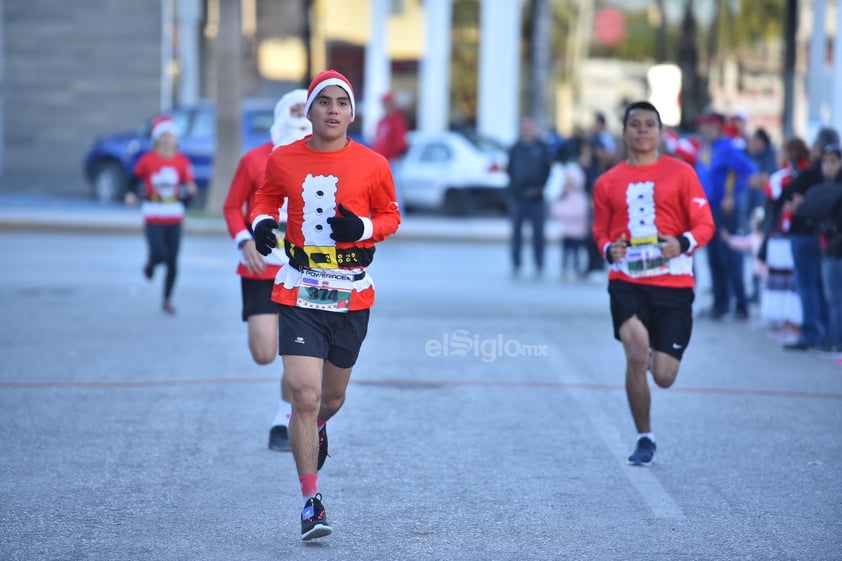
(486, 420)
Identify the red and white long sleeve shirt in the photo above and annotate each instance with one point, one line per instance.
(315, 184)
(238, 205)
(645, 202)
(162, 177)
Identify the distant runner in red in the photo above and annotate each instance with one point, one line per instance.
(341, 201)
(650, 215)
(257, 273)
(168, 182)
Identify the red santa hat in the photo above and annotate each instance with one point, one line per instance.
(163, 125)
(324, 79)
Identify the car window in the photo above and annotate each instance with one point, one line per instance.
(203, 125)
(435, 152)
(259, 123)
(181, 119)
(485, 144)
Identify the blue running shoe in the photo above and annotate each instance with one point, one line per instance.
(314, 520)
(644, 453)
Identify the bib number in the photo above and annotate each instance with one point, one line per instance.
(325, 290)
(646, 261)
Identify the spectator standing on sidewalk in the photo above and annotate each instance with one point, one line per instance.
(572, 210)
(167, 184)
(806, 251)
(341, 201)
(650, 215)
(822, 206)
(528, 167)
(257, 273)
(390, 138)
(724, 171)
(780, 305)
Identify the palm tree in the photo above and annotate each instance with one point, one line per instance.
(228, 103)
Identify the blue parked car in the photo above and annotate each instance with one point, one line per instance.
(111, 159)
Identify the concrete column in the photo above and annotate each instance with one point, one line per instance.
(836, 89)
(498, 103)
(378, 68)
(187, 17)
(434, 82)
(816, 85)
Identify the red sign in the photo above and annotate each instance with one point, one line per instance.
(609, 26)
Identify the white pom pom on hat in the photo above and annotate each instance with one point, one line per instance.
(163, 125)
(327, 78)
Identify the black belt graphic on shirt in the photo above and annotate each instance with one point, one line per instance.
(328, 257)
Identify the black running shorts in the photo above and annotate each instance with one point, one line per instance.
(257, 297)
(667, 313)
(336, 337)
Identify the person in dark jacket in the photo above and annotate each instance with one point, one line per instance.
(822, 206)
(529, 164)
(806, 251)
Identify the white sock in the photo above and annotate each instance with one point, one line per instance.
(649, 435)
(282, 416)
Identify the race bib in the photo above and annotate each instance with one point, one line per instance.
(646, 261)
(328, 290)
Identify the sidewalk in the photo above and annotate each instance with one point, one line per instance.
(25, 211)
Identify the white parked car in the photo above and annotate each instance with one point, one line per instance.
(452, 172)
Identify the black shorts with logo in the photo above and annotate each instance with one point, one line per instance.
(257, 297)
(666, 312)
(333, 336)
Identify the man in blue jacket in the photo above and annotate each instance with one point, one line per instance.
(724, 171)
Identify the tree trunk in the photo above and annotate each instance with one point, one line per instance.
(228, 104)
(790, 30)
(540, 61)
(661, 33)
(694, 87)
(307, 40)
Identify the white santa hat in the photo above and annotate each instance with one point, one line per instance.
(324, 79)
(286, 128)
(163, 125)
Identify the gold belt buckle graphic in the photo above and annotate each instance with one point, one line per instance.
(321, 257)
(648, 240)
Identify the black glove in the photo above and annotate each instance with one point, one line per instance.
(265, 239)
(346, 228)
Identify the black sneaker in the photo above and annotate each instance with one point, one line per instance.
(322, 447)
(279, 439)
(314, 520)
(643, 453)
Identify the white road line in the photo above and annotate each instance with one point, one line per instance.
(643, 479)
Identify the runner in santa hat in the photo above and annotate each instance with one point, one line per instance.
(257, 273)
(168, 182)
(341, 201)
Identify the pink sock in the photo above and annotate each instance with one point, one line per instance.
(309, 485)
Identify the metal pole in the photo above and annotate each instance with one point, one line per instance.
(836, 90)
(166, 54)
(188, 51)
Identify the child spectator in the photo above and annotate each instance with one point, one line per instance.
(572, 213)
